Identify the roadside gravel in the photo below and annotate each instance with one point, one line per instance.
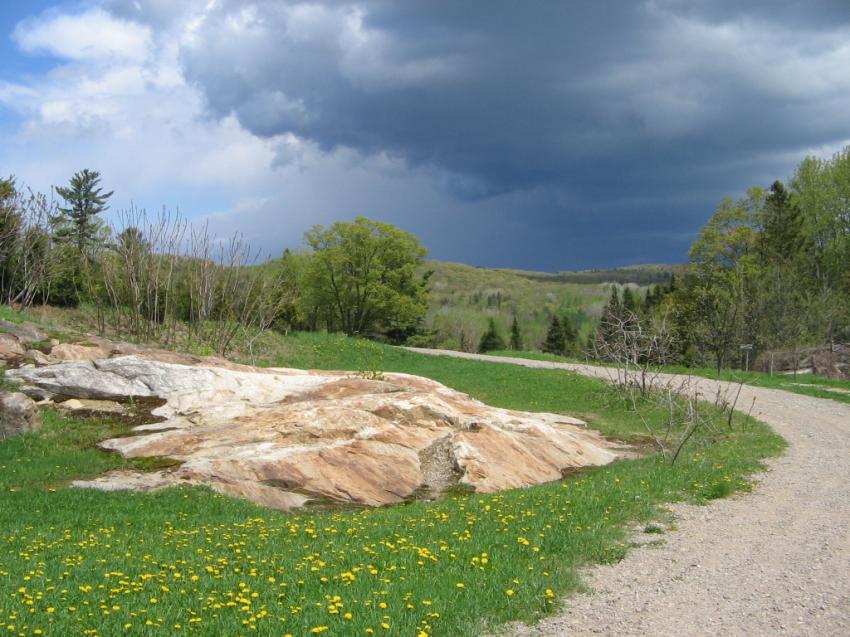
(772, 562)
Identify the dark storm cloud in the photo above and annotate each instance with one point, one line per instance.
(625, 121)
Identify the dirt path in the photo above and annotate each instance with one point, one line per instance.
(774, 562)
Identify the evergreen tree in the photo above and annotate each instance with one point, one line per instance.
(491, 339)
(78, 223)
(629, 304)
(554, 343)
(612, 313)
(652, 298)
(516, 337)
(781, 238)
(614, 307)
(570, 336)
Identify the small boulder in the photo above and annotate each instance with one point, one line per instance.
(89, 404)
(18, 414)
(38, 357)
(79, 352)
(10, 348)
(27, 332)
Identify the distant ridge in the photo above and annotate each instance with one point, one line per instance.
(641, 274)
(648, 274)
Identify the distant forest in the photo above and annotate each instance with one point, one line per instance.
(637, 274)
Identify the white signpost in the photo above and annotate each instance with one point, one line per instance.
(747, 348)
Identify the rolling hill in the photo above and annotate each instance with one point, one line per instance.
(464, 297)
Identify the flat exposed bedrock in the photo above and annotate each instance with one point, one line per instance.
(286, 437)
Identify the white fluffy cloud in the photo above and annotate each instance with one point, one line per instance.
(93, 36)
(116, 101)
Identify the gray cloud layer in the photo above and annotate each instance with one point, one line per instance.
(619, 124)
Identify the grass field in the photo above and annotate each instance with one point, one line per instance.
(188, 560)
(806, 384)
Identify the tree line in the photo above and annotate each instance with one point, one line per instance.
(768, 272)
(162, 278)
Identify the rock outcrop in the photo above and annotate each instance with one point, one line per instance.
(285, 437)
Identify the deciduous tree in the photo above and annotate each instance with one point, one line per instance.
(365, 274)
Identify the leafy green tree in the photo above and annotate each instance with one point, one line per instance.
(554, 343)
(491, 340)
(78, 223)
(516, 337)
(364, 277)
(713, 304)
(821, 188)
(10, 228)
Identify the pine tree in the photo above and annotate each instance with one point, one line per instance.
(614, 307)
(516, 337)
(610, 315)
(491, 339)
(629, 304)
(570, 336)
(78, 224)
(554, 343)
(652, 298)
(782, 237)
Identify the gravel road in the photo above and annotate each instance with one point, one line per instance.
(773, 562)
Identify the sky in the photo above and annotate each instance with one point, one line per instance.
(542, 135)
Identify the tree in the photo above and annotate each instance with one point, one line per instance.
(491, 340)
(78, 223)
(629, 301)
(781, 238)
(365, 276)
(570, 335)
(554, 343)
(821, 188)
(714, 304)
(516, 337)
(10, 227)
(132, 238)
(610, 314)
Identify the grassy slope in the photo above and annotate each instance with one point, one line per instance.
(187, 560)
(464, 297)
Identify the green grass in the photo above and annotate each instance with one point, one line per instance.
(535, 356)
(188, 560)
(13, 316)
(806, 384)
